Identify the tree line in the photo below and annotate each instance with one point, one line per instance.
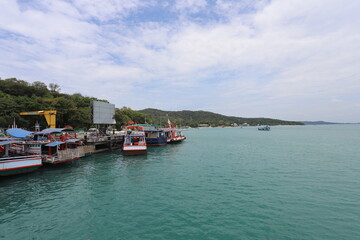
(72, 109)
(197, 118)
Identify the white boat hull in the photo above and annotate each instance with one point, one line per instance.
(17, 165)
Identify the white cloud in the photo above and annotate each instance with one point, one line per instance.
(272, 59)
(104, 10)
(191, 6)
(39, 25)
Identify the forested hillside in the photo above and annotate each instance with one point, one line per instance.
(194, 118)
(72, 109)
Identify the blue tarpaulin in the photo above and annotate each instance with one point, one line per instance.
(17, 132)
(53, 144)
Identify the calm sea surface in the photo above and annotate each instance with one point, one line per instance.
(299, 182)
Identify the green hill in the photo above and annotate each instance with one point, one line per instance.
(72, 109)
(194, 118)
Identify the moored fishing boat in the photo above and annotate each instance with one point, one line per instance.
(55, 145)
(62, 145)
(173, 135)
(27, 142)
(153, 135)
(11, 164)
(134, 143)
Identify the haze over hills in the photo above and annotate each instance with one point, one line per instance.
(318, 122)
(194, 118)
(323, 123)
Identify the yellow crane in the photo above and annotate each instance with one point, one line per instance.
(50, 116)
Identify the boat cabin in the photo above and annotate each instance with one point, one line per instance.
(63, 146)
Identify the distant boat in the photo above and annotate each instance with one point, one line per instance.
(173, 135)
(266, 128)
(134, 143)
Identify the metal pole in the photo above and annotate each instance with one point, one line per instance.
(7, 150)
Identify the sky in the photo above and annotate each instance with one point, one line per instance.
(284, 59)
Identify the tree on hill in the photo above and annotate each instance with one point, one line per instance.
(54, 87)
(126, 115)
(20, 96)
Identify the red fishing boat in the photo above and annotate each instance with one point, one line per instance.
(173, 135)
(134, 143)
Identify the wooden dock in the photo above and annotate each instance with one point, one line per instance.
(101, 143)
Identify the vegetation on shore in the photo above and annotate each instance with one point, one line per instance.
(74, 109)
(196, 118)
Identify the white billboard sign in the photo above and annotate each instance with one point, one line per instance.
(103, 113)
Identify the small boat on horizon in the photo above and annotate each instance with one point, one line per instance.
(264, 128)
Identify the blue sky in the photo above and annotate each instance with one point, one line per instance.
(292, 60)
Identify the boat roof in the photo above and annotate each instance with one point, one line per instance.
(73, 140)
(51, 130)
(171, 129)
(53, 144)
(18, 132)
(144, 125)
(8, 139)
(2, 143)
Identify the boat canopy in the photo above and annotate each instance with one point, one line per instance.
(168, 129)
(137, 135)
(8, 142)
(145, 125)
(142, 126)
(8, 139)
(18, 132)
(72, 140)
(135, 127)
(51, 130)
(53, 144)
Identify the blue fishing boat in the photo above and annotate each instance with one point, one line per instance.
(153, 135)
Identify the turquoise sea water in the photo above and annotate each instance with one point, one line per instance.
(300, 182)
